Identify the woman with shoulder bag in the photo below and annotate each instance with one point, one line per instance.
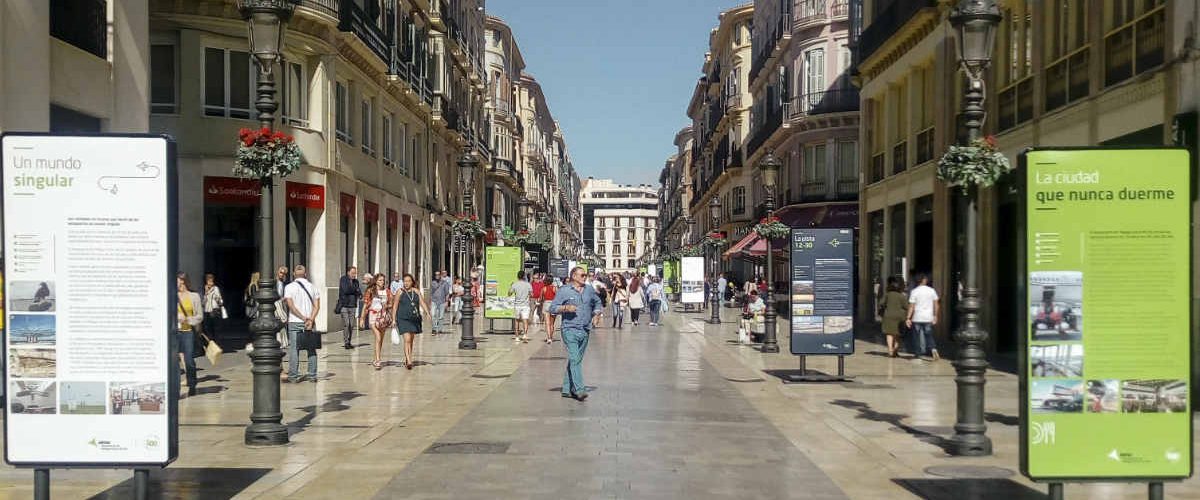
(407, 309)
(377, 302)
(189, 316)
(895, 310)
(214, 305)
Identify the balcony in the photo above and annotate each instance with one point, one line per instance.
(1067, 79)
(82, 23)
(1015, 104)
(1135, 47)
(503, 170)
(327, 7)
(764, 129)
(817, 103)
(353, 19)
(840, 9)
(889, 21)
(810, 12)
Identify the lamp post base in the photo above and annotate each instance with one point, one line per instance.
(467, 338)
(973, 444)
(266, 434)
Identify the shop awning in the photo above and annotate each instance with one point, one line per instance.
(844, 215)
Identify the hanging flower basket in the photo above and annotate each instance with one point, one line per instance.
(489, 236)
(262, 154)
(714, 239)
(693, 250)
(771, 228)
(467, 225)
(520, 238)
(976, 165)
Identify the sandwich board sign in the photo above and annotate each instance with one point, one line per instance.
(1106, 372)
(90, 367)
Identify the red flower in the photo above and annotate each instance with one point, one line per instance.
(279, 136)
(990, 140)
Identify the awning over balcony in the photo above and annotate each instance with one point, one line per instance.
(831, 216)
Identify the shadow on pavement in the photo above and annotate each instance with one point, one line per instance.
(215, 483)
(333, 403)
(896, 419)
(969, 489)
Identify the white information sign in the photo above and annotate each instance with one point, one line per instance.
(652, 270)
(89, 292)
(692, 280)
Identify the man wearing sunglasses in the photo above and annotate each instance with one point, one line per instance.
(576, 304)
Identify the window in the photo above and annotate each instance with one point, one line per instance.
(294, 94)
(342, 112)
(814, 71)
(388, 145)
(366, 134)
(847, 161)
(739, 200)
(599, 222)
(369, 231)
(227, 83)
(814, 164)
(164, 79)
(297, 237)
(347, 249)
(401, 141)
(415, 166)
(737, 34)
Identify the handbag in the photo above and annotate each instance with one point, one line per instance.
(308, 339)
(224, 313)
(212, 351)
(383, 320)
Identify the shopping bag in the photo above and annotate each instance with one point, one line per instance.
(395, 336)
(212, 351)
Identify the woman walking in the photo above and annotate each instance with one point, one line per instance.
(248, 296)
(549, 291)
(377, 301)
(637, 300)
(895, 310)
(456, 300)
(407, 310)
(214, 305)
(190, 317)
(620, 299)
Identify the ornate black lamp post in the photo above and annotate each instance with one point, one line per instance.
(267, 22)
(769, 166)
(468, 164)
(714, 211)
(976, 22)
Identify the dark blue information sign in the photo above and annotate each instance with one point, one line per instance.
(822, 291)
(558, 268)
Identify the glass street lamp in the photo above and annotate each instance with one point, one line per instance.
(468, 164)
(714, 211)
(267, 23)
(769, 166)
(975, 22)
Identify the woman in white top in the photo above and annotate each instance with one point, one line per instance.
(456, 300)
(213, 305)
(620, 299)
(637, 300)
(188, 317)
(377, 301)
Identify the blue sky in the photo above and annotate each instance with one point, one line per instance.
(617, 74)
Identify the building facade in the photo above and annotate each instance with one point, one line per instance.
(382, 98)
(620, 223)
(675, 194)
(720, 113)
(1069, 73)
(74, 67)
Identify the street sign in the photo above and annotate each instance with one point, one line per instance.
(692, 279)
(90, 254)
(559, 268)
(1105, 377)
(822, 291)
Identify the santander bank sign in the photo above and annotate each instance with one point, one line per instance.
(305, 195)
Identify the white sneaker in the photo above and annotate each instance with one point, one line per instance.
(653, 324)
(517, 340)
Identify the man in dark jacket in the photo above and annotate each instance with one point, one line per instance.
(349, 295)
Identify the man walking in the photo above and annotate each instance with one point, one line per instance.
(576, 304)
(397, 283)
(521, 290)
(438, 296)
(304, 302)
(721, 284)
(349, 295)
(922, 317)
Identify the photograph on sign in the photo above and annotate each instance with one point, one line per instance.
(1108, 232)
(822, 298)
(77, 211)
(692, 280)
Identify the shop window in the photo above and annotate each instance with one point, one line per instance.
(369, 232)
(391, 251)
(347, 249)
(297, 237)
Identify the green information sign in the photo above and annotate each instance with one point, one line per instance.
(1105, 383)
(500, 271)
(670, 275)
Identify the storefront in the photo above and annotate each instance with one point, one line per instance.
(370, 232)
(231, 236)
(346, 205)
(393, 219)
(305, 205)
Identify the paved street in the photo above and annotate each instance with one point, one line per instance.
(676, 412)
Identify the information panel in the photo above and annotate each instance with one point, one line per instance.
(1105, 385)
(501, 265)
(670, 276)
(692, 280)
(89, 241)
(560, 268)
(822, 291)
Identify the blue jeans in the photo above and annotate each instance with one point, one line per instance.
(654, 309)
(576, 342)
(186, 343)
(439, 315)
(923, 338)
(293, 330)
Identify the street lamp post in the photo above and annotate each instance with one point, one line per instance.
(714, 208)
(975, 22)
(267, 22)
(467, 165)
(769, 166)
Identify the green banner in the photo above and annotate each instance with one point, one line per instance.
(1105, 395)
(500, 271)
(670, 275)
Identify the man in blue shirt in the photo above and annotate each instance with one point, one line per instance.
(576, 304)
